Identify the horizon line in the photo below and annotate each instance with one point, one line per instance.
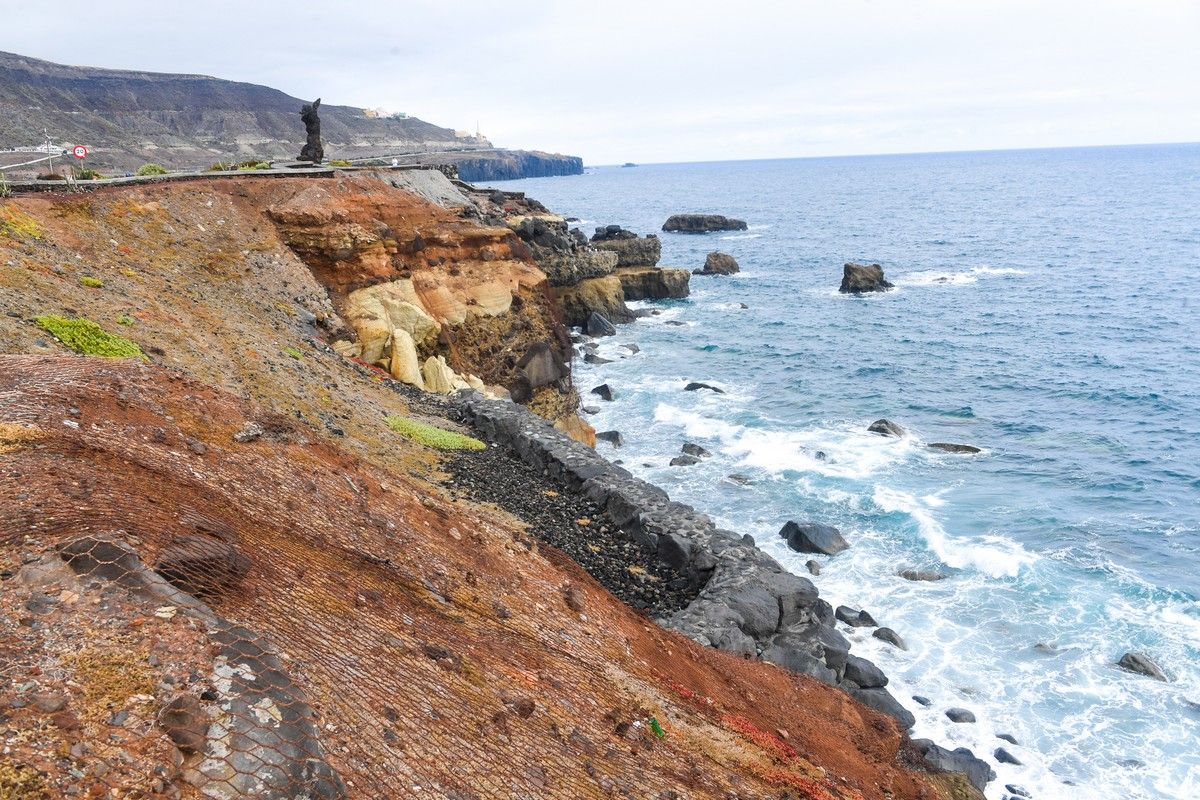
(901, 153)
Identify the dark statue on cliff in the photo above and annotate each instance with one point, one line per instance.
(312, 151)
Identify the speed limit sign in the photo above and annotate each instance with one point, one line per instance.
(80, 151)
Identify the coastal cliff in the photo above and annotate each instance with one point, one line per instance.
(127, 118)
(257, 527)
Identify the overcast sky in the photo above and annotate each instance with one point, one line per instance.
(652, 81)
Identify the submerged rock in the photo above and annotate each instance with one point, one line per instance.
(885, 427)
(922, 575)
(695, 450)
(695, 386)
(810, 537)
(1142, 665)
(717, 263)
(684, 461)
(859, 278)
(702, 223)
(948, 447)
(1008, 737)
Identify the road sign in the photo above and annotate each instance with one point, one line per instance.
(80, 151)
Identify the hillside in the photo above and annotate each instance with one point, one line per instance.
(128, 118)
(231, 569)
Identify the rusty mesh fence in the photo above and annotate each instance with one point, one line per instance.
(192, 612)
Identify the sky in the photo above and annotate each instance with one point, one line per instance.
(657, 81)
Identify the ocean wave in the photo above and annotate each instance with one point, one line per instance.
(992, 555)
(742, 236)
(933, 277)
(832, 452)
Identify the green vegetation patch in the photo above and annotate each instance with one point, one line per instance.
(18, 225)
(85, 336)
(340, 162)
(90, 282)
(293, 352)
(430, 436)
(249, 165)
(151, 169)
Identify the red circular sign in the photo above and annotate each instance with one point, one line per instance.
(80, 151)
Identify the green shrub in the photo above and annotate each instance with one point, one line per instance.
(293, 352)
(254, 164)
(150, 169)
(90, 282)
(51, 176)
(85, 336)
(87, 174)
(430, 436)
(340, 162)
(219, 166)
(125, 319)
(17, 224)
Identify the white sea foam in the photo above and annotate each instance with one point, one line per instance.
(848, 452)
(992, 555)
(933, 277)
(742, 236)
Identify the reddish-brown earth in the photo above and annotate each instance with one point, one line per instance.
(443, 652)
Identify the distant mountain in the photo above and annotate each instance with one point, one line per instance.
(128, 118)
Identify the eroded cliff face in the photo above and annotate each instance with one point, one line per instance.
(225, 543)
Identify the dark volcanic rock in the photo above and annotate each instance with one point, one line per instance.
(631, 251)
(882, 700)
(185, 723)
(859, 278)
(922, 575)
(960, 715)
(947, 447)
(613, 437)
(201, 565)
(542, 366)
(1008, 737)
(604, 390)
(1142, 665)
(592, 358)
(684, 461)
(597, 325)
(695, 386)
(885, 427)
(717, 263)
(925, 701)
(813, 567)
(1017, 791)
(864, 673)
(702, 223)
(978, 771)
(810, 537)
(890, 636)
(1005, 757)
(855, 618)
(695, 450)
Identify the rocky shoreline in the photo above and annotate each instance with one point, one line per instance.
(745, 602)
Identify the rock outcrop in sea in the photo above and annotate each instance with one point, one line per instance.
(861, 278)
(702, 223)
(718, 263)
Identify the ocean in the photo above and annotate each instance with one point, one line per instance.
(1047, 311)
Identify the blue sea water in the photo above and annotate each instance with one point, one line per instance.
(1047, 311)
